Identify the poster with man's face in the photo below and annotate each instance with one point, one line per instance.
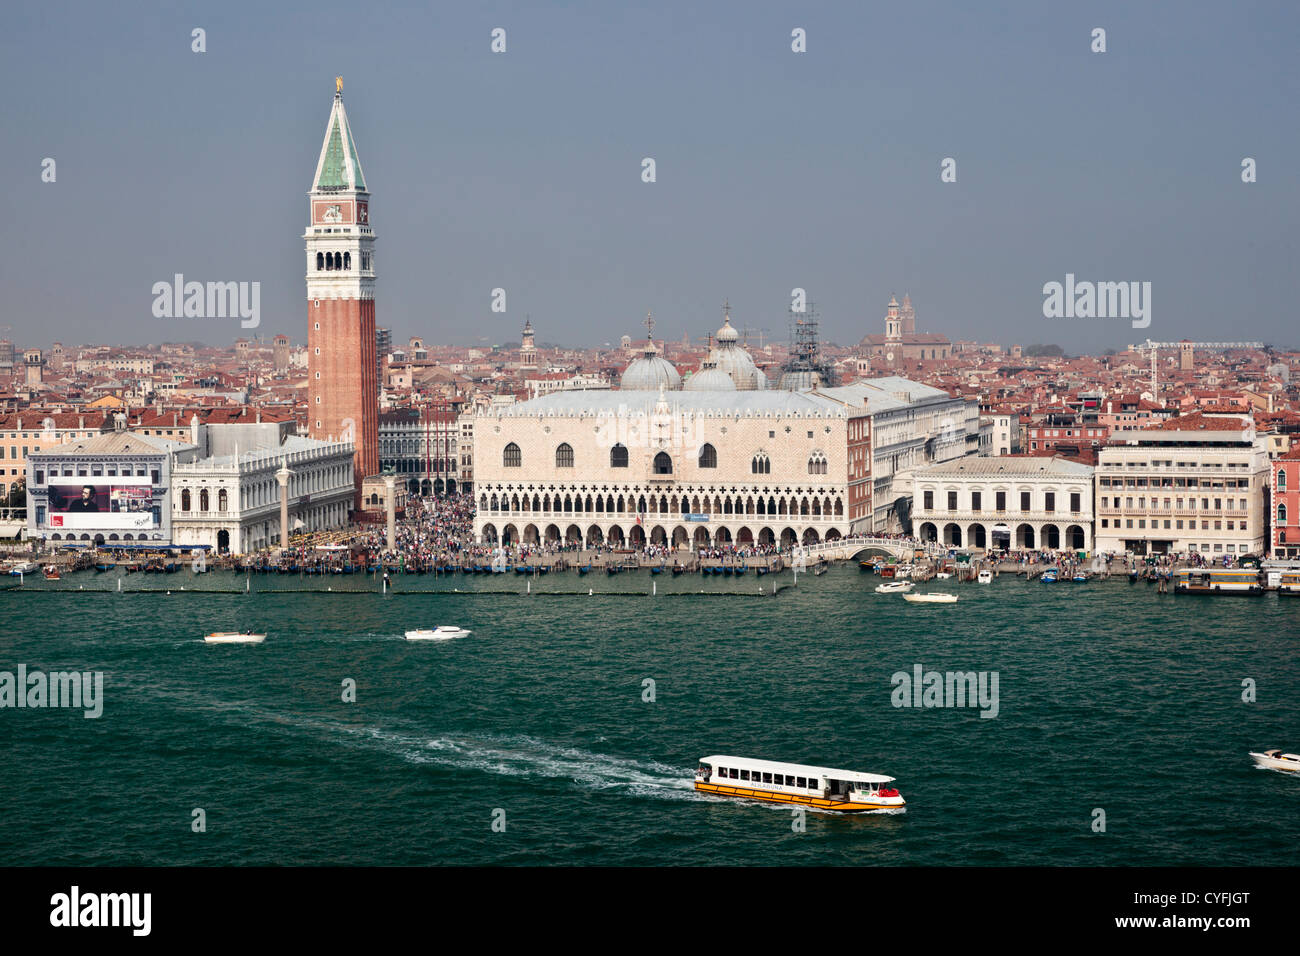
(115, 503)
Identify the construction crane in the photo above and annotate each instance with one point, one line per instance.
(1155, 347)
(745, 332)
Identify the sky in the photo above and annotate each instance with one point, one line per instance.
(774, 170)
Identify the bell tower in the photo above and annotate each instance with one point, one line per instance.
(341, 363)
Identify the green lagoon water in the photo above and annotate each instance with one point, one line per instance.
(1110, 697)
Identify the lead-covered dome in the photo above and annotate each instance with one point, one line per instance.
(649, 373)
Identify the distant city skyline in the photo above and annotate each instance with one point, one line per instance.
(522, 170)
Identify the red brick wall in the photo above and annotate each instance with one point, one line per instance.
(346, 388)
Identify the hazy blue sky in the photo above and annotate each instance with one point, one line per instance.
(775, 169)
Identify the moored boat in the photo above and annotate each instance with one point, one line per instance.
(896, 587)
(1217, 581)
(985, 577)
(24, 567)
(1049, 576)
(51, 572)
(1276, 760)
(844, 791)
(234, 637)
(934, 597)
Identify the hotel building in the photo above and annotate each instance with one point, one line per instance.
(1195, 483)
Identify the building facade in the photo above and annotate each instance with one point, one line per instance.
(420, 445)
(1285, 503)
(1005, 504)
(228, 496)
(107, 490)
(697, 468)
(342, 363)
(1196, 483)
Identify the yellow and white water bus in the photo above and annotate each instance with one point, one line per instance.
(846, 791)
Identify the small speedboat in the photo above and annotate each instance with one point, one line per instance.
(896, 587)
(1049, 576)
(985, 577)
(934, 597)
(234, 637)
(584, 569)
(1080, 578)
(51, 572)
(1276, 760)
(443, 632)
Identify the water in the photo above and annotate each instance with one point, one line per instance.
(1110, 697)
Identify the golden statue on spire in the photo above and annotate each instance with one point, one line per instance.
(338, 84)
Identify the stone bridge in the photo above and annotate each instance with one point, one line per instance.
(858, 547)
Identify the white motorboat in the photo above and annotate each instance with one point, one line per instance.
(985, 577)
(443, 632)
(934, 597)
(897, 587)
(1276, 760)
(234, 637)
(942, 575)
(24, 567)
(903, 571)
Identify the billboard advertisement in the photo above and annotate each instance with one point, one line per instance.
(124, 503)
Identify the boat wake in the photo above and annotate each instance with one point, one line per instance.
(528, 757)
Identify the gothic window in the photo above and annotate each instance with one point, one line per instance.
(1281, 479)
(1281, 515)
(708, 456)
(564, 456)
(618, 456)
(663, 464)
(817, 464)
(760, 465)
(511, 457)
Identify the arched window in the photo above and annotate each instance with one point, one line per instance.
(222, 499)
(663, 464)
(203, 500)
(320, 261)
(1281, 515)
(618, 456)
(511, 457)
(347, 260)
(817, 463)
(761, 465)
(329, 262)
(564, 456)
(338, 261)
(185, 499)
(1281, 479)
(708, 456)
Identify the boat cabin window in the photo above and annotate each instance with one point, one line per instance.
(733, 773)
(744, 775)
(803, 782)
(767, 778)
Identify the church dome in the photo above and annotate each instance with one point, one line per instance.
(710, 379)
(728, 332)
(649, 373)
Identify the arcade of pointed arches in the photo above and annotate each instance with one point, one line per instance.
(609, 515)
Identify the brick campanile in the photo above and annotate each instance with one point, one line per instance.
(342, 401)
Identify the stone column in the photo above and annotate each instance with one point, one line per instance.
(390, 482)
(282, 476)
